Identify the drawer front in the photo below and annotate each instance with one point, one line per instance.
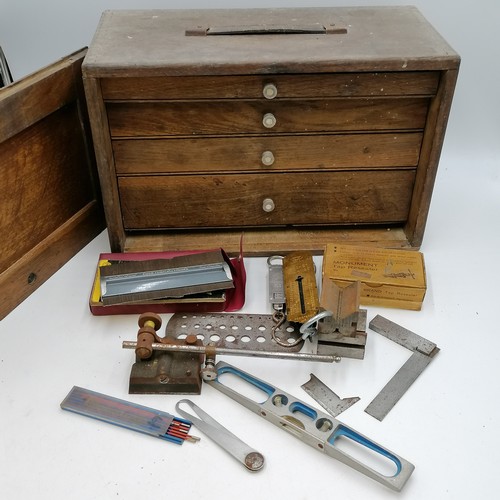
(239, 200)
(286, 86)
(269, 153)
(135, 119)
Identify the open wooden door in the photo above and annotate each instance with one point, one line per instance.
(50, 203)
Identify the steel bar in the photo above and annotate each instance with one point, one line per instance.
(222, 351)
(394, 390)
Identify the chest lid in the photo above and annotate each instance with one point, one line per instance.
(299, 40)
(50, 204)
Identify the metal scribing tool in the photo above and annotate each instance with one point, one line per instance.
(423, 353)
(321, 393)
(315, 428)
(250, 458)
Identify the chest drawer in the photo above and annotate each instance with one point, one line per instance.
(267, 153)
(294, 141)
(274, 86)
(265, 199)
(135, 119)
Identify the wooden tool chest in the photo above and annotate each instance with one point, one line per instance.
(293, 127)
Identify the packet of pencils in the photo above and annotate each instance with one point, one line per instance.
(129, 415)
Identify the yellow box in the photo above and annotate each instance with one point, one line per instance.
(390, 278)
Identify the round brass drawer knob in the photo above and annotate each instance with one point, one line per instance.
(269, 120)
(268, 205)
(267, 158)
(270, 91)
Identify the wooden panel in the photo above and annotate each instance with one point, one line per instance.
(131, 119)
(43, 183)
(237, 200)
(269, 241)
(290, 152)
(25, 275)
(136, 43)
(25, 104)
(429, 161)
(288, 86)
(50, 203)
(105, 162)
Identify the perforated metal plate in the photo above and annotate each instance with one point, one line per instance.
(242, 331)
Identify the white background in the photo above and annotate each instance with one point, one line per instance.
(448, 422)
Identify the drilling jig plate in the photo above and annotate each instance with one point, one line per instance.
(236, 331)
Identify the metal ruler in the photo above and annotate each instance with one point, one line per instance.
(301, 291)
(423, 353)
(132, 281)
(163, 280)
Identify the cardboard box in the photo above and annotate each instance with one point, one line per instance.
(389, 278)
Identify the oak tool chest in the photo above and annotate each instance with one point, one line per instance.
(292, 127)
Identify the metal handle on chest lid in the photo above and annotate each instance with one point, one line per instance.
(268, 205)
(267, 29)
(267, 158)
(270, 91)
(269, 120)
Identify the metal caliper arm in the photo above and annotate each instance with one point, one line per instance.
(318, 429)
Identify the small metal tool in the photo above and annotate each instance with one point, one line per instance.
(423, 353)
(299, 356)
(171, 364)
(250, 458)
(276, 285)
(321, 393)
(315, 428)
